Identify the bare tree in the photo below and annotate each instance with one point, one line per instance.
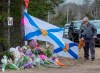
(97, 9)
(87, 8)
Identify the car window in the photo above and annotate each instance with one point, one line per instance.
(97, 24)
(67, 26)
(77, 25)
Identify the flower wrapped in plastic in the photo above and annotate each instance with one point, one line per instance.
(7, 64)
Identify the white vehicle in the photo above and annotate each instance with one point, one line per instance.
(65, 33)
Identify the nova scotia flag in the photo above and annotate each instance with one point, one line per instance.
(43, 31)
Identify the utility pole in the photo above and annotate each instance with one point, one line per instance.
(67, 14)
(47, 45)
(8, 25)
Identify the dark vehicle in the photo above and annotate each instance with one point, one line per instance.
(74, 28)
(73, 31)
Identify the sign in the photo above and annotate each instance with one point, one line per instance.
(10, 21)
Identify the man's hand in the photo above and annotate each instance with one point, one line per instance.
(95, 37)
(81, 39)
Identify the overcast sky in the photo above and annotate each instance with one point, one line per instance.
(75, 1)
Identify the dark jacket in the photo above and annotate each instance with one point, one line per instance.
(87, 31)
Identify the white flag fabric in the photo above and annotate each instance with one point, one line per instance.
(41, 30)
(72, 51)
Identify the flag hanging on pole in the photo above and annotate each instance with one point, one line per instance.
(41, 30)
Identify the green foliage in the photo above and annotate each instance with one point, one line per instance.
(3, 44)
(3, 10)
(59, 20)
(3, 16)
(37, 8)
(48, 53)
(15, 30)
(97, 2)
(40, 8)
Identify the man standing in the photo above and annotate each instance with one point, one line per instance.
(88, 33)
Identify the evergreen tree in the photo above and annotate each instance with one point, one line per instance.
(37, 8)
(40, 8)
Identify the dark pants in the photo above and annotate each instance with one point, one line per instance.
(89, 45)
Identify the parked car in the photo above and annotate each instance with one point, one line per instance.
(74, 28)
(73, 31)
(97, 24)
(65, 33)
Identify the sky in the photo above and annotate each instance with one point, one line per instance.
(75, 1)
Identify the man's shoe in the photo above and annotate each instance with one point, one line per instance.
(92, 59)
(86, 59)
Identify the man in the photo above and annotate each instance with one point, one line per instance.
(88, 33)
